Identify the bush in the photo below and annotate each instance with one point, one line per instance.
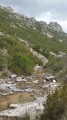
(56, 105)
(3, 61)
(36, 48)
(55, 64)
(21, 64)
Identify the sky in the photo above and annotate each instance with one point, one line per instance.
(44, 10)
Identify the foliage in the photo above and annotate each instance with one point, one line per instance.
(12, 28)
(62, 76)
(55, 64)
(36, 48)
(3, 60)
(56, 105)
(23, 63)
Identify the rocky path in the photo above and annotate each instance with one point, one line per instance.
(31, 108)
(21, 109)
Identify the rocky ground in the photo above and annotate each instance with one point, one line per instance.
(25, 94)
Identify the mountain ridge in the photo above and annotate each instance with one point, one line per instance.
(33, 64)
(32, 22)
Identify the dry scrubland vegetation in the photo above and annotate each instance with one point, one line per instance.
(13, 53)
(16, 57)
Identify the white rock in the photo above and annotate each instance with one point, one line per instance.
(49, 77)
(28, 82)
(29, 90)
(44, 81)
(21, 109)
(35, 81)
(14, 105)
(19, 79)
(54, 81)
(12, 76)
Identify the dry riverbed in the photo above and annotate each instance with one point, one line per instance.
(25, 94)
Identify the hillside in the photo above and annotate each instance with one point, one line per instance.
(42, 38)
(33, 64)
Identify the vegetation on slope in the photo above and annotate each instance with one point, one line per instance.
(13, 27)
(56, 105)
(15, 56)
(55, 64)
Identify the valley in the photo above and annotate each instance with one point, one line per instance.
(33, 65)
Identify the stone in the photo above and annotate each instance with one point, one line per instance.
(12, 76)
(31, 94)
(37, 67)
(29, 90)
(35, 81)
(20, 79)
(44, 81)
(13, 105)
(28, 82)
(48, 78)
(54, 81)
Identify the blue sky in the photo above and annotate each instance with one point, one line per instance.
(46, 10)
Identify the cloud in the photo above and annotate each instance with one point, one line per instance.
(36, 7)
(47, 10)
(63, 24)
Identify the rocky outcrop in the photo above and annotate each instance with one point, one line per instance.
(31, 108)
(55, 26)
(43, 26)
(41, 57)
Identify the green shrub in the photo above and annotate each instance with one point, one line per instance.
(56, 105)
(3, 60)
(22, 64)
(55, 64)
(36, 48)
